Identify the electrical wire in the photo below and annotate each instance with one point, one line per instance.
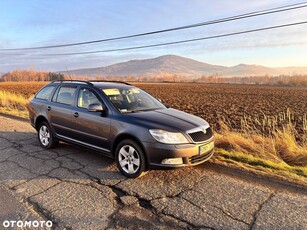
(178, 42)
(232, 18)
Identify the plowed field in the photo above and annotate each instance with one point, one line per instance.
(218, 101)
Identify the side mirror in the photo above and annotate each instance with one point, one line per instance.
(95, 107)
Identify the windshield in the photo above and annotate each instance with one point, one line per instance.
(132, 100)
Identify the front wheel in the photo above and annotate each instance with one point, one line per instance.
(130, 158)
(45, 136)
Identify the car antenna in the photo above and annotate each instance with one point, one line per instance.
(68, 73)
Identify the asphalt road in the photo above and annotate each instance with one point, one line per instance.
(80, 189)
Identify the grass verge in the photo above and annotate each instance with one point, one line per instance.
(249, 162)
(13, 104)
(283, 151)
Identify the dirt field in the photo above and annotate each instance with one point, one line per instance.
(219, 101)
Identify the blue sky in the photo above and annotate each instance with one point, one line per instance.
(38, 23)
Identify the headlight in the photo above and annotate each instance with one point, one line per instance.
(168, 137)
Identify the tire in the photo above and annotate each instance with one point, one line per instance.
(45, 136)
(130, 159)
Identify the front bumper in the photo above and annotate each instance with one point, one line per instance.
(157, 152)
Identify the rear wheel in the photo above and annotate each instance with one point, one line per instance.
(45, 136)
(130, 159)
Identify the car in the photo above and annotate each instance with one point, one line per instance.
(122, 122)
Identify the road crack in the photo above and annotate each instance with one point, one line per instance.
(260, 206)
(188, 223)
(45, 214)
(229, 215)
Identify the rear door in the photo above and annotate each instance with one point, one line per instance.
(91, 128)
(60, 110)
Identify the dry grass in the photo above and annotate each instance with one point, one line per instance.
(288, 149)
(255, 164)
(279, 153)
(281, 146)
(14, 104)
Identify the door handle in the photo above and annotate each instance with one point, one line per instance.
(49, 108)
(76, 114)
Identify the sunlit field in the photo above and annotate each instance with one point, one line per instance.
(261, 126)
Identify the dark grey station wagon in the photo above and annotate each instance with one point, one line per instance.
(121, 121)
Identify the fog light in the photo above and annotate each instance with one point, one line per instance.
(172, 161)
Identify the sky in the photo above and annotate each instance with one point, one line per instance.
(40, 23)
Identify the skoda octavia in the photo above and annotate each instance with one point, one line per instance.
(121, 121)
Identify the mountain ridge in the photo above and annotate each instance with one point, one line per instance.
(182, 66)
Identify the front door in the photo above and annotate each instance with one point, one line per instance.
(91, 128)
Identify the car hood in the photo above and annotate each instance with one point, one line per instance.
(168, 119)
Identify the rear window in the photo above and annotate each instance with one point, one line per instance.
(45, 93)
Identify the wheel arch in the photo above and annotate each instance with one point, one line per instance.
(125, 136)
(39, 120)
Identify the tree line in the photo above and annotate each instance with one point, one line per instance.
(32, 75)
(296, 80)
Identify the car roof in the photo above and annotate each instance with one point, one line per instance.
(96, 83)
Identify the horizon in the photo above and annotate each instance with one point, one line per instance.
(35, 23)
(94, 67)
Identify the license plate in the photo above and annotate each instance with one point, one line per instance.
(206, 148)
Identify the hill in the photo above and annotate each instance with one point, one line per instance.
(172, 64)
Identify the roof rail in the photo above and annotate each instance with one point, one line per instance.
(89, 82)
(122, 82)
(60, 81)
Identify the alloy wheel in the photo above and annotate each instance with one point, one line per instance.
(129, 159)
(44, 135)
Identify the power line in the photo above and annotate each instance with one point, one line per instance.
(178, 42)
(232, 18)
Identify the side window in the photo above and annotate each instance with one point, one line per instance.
(86, 97)
(45, 93)
(65, 95)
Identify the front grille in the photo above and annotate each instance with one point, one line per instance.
(200, 136)
(199, 158)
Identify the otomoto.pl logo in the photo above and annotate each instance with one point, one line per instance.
(27, 224)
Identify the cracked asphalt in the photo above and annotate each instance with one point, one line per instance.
(77, 188)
